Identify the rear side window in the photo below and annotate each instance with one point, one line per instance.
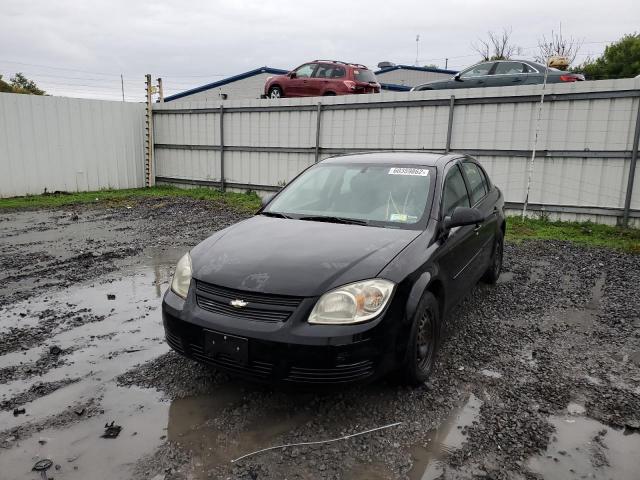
(329, 71)
(510, 68)
(361, 75)
(477, 182)
(454, 193)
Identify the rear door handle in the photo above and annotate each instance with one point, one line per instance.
(477, 228)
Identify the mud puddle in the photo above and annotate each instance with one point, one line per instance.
(582, 319)
(79, 449)
(124, 329)
(195, 424)
(585, 448)
(447, 437)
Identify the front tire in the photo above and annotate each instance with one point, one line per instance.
(423, 341)
(495, 268)
(276, 92)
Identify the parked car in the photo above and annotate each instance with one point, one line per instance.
(502, 73)
(346, 275)
(322, 77)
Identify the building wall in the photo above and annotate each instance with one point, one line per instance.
(248, 88)
(69, 144)
(584, 144)
(410, 77)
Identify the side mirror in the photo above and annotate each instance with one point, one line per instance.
(457, 78)
(291, 75)
(266, 199)
(462, 216)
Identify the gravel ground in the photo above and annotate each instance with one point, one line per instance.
(540, 364)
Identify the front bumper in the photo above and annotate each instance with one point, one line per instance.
(289, 352)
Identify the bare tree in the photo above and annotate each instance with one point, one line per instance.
(497, 46)
(557, 45)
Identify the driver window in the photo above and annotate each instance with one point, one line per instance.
(477, 70)
(454, 193)
(305, 71)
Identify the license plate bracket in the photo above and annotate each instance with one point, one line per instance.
(224, 345)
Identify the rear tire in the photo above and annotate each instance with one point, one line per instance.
(276, 92)
(423, 341)
(329, 94)
(492, 274)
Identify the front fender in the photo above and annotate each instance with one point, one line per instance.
(415, 294)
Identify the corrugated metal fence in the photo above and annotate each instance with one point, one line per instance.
(581, 171)
(66, 144)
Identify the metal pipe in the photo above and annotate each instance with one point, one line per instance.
(222, 185)
(632, 170)
(160, 90)
(554, 97)
(468, 151)
(452, 101)
(318, 119)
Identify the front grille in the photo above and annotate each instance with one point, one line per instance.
(254, 368)
(174, 341)
(340, 373)
(252, 297)
(260, 306)
(246, 312)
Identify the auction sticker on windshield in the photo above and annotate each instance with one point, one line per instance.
(421, 172)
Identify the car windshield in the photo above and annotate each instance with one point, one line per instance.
(381, 195)
(366, 76)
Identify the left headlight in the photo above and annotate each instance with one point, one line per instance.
(352, 303)
(182, 276)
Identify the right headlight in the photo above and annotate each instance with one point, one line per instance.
(353, 303)
(182, 276)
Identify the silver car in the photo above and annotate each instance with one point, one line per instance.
(502, 73)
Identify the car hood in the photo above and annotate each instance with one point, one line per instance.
(295, 257)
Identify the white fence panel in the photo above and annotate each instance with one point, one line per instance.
(584, 146)
(66, 144)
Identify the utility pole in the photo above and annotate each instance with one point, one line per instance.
(149, 179)
(122, 84)
(417, 49)
(446, 63)
(160, 91)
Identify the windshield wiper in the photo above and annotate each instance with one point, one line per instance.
(275, 214)
(321, 218)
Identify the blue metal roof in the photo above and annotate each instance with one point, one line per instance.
(225, 81)
(419, 69)
(395, 87)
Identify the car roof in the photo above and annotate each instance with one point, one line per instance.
(340, 62)
(400, 158)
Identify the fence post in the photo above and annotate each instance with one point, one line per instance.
(149, 179)
(318, 117)
(450, 126)
(632, 170)
(222, 182)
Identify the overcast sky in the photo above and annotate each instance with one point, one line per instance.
(80, 48)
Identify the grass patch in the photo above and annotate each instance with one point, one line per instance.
(583, 233)
(243, 202)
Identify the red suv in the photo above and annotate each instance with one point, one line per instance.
(322, 77)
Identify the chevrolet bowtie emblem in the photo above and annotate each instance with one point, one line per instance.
(238, 303)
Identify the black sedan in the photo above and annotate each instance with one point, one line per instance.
(345, 275)
(502, 73)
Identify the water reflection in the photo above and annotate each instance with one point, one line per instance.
(446, 438)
